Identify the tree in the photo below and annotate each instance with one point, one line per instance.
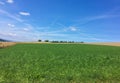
(39, 40)
(64, 41)
(70, 41)
(61, 41)
(46, 40)
(82, 42)
(55, 41)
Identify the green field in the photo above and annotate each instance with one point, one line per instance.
(59, 63)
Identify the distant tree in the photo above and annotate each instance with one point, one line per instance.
(64, 41)
(72, 42)
(69, 41)
(39, 40)
(81, 42)
(55, 41)
(46, 40)
(61, 41)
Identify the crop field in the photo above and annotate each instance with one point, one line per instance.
(6, 44)
(106, 43)
(60, 63)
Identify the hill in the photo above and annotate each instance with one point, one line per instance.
(3, 40)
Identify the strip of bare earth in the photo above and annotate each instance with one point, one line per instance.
(6, 44)
(106, 43)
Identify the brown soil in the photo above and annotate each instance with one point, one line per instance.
(6, 44)
(108, 43)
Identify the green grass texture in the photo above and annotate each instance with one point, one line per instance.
(60, 63)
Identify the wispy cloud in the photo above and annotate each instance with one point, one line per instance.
(11, 34)
(73, 28)
(27, 32)
(24, 13)
(95, 18)
(30, 33)
(2, 3)
(11, 25)
(113, 13)
(10, 1)
(68, 28)
(10, 15)
(26, 29)
(101, 17)
(8, 34)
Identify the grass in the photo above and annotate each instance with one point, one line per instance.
(59, 63)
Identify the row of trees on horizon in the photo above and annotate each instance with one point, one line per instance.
(60, 41)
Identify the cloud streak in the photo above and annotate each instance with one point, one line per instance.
(10, 15)
(24, 13)
(95, 18)
(101, 17)
(10, 1)
(30, 33)
(8, 34)
(109, 14)
(11, 25)
(73, 28)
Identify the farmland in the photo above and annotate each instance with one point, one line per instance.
(6, 44)
(59, 63)
(107, 43)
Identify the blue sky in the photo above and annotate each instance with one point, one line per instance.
(71, 20)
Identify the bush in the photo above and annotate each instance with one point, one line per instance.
(61, 41)
(81, 42)
(39, 40)
(46, 40)
(55, 41)
(71, 42)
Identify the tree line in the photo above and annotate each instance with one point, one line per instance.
(60, 41)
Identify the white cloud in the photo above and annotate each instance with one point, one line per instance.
(10, 15)
(11, 34)
(69, 28)
(95, 18)
(8, 34)
(26, 29)
(2, 3)
(73, 28)
(24, 13)
(101, 17)
(11, 25)
(10, 1)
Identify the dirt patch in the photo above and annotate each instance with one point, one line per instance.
(6, 44)
(108, 43)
